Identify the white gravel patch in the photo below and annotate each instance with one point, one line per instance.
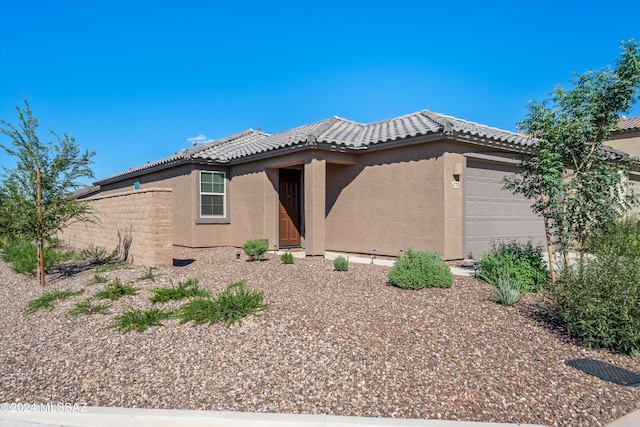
(340, 343)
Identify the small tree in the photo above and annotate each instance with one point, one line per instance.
(62, 165)
(570, 176)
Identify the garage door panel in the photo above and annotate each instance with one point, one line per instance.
(492, 213)
(508, 210)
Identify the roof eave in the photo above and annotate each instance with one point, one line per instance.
(160, 167)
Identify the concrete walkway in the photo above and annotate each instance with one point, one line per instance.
(359, 259)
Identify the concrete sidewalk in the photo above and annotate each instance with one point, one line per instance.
(130, 417)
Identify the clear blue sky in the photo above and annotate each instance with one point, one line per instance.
(134, 80)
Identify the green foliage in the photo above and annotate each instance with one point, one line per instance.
(417, 270)
(200, 311)
(85, 307)
(506, 288)
(63, 167)
(184, 290)
(116, 290)
(97, 279)
(48, 298)
(148, 275)
(520, 262)
(599, 302)
(22, 256)
(287, 258)
(570, 179)
(139, 320)
(616, 238)
(230, 306)
(256, 249)
(340, 263)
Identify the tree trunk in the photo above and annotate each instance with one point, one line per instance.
(547, 233)
(40, 230)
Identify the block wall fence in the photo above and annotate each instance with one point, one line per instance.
(146, 214)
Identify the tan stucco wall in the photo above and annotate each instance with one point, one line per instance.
(315, 228)
(453, 204)
(629, 142)
(385, 200)
(389, 200)
(146, 214)
(250, 188)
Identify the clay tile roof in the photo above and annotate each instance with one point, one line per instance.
(629, 124)
(335, 130)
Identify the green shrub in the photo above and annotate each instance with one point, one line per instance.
(148, 275)
(230, 306)
(47, 299)
(85, 307)
(139, 320)
(523, 262)
(340, 263)
(286, 258)
(507, 289)
(599, 302)
(116, 290)
(22, 256)
(97, 279)
(621, 238)
(417, 269)
(256, 249)
(200, 311)
(184, 290)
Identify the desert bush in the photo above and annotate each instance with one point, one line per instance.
(287, 258)
(116, 290)
(97, 279)
(340, 263)
(86, 307)
(507, 289)
(47, 299)
(148, 275)
(134, 319)
(620, 238)
(417, 269)
(97, 254)
(599, 301)
(256, 249)
(522, 262)
(22, 256)
(230, 306)
(184, 290)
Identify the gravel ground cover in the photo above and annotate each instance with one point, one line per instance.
(342, 343)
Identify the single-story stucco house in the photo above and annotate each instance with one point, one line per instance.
(627, 138)
(423, 180)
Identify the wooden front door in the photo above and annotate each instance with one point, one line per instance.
(289, 216)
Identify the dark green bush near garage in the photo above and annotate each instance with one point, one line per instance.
(417, 270)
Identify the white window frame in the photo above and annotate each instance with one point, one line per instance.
(225, 198)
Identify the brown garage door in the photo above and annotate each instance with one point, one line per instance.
(492, 213)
